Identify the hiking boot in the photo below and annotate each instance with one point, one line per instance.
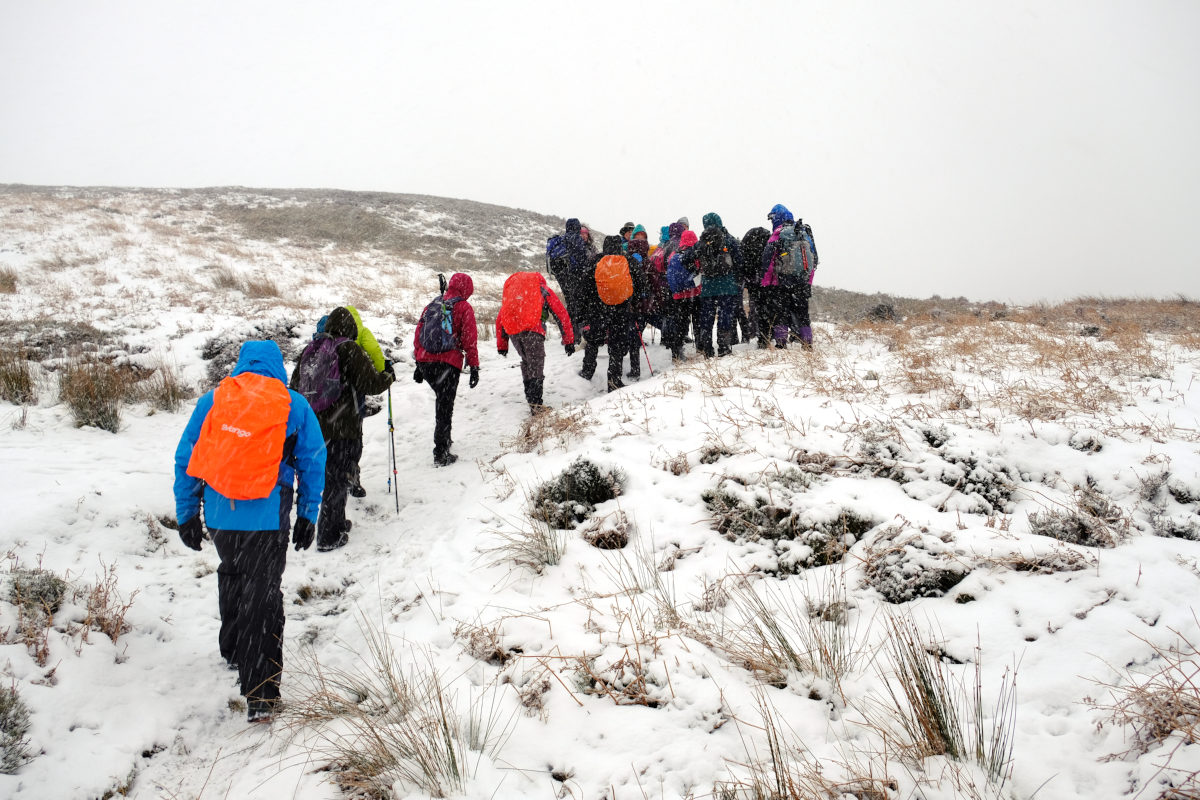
(587, 376)
(340, 541)
(763, 344)
(537, 408)
(346, 526)
(357, 490)
(444, 460)
(635, 372)
(614, 384)
(260, 711)
(781, 344)
(677, 356)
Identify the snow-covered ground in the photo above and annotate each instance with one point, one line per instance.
(894, 477)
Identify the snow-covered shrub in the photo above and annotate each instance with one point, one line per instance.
(1086, 442)
(37, 595)
(610, 532)
(1094, 522)
(94, 390)
(626, 680)
(17, 383)
(767, 510)
(1175, 526)
(1183, 492)
(571, 497)
(483, 643)
(14, 725)
(221, 351)
(904, 566)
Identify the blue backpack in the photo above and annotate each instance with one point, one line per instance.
(320, 378)
(437, 326)
(679, 278)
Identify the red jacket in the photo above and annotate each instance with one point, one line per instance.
(526, 294)
(462, 318)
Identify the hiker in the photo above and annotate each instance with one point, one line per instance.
(569, 260)
(787, 275)
(681, 282)
(801, 324)
(439, 351)
(333, 373)
(523, 304)
(720, 258)
(626, 233)
(753, 245)
(638, 250)
(615, 286)
(243, 448)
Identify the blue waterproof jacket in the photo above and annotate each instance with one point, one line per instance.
(304, 453)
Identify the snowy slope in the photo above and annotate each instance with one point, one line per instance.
(916, 458)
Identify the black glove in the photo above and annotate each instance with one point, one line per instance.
(191, 533)
(474, 377)
(570, 348)
(390, 369)
(303, 533)
(503, 353)
(417, 374)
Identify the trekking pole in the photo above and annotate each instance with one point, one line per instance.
(647, 352)
(392, 450)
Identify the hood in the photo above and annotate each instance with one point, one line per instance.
(262, 358)
(687, 226)
(688, 239)
(613, 245)
(639, 247)
(712, 220)
(674, 230)
(573, 225)
(638, 229)
(341, 324)
(460, 285)
(664, 235)
(779, 215)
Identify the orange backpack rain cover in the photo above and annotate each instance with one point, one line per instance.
(613, 281)
(241, 441)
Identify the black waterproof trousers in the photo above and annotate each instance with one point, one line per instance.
(341, 472)
(443, 379)
(251, 602)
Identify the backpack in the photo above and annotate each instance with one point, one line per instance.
(437, 326)
(320, 378)
(614, 284)
(241, 441)
(557, 256)
(679, 278)
(715, 259)
(791, 258)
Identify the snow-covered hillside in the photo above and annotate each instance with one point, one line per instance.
(995, 501)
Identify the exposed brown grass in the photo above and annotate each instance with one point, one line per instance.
(8, 280)
(94, 390)
(17, 381)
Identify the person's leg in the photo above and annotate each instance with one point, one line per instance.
(443, 378)
(619, 332)
(339, 466)
(726, 323)
(532, 347)
(260, 651)
(229, 594)
(706, 310)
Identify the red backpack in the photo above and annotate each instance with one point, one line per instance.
(241, 442)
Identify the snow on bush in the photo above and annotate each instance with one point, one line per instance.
(14, 725)
(1095, 521)
(221, 351)
(767, 510)
(903, 566)
(571, 497)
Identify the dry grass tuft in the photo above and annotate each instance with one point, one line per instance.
(17, 382)
(531, 544)
(106, 608)
(94, 391)
(931, 714)
(164, 389)
(378, 725)
(556, 427)
(8, 280)
(1095, 521)
(261, 287)
(1162, 710)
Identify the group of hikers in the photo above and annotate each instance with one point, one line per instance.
(686, 282)
(262, 441)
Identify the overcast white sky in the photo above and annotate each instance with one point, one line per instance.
(999, 149)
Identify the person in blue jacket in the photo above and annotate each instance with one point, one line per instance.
(238, 458)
